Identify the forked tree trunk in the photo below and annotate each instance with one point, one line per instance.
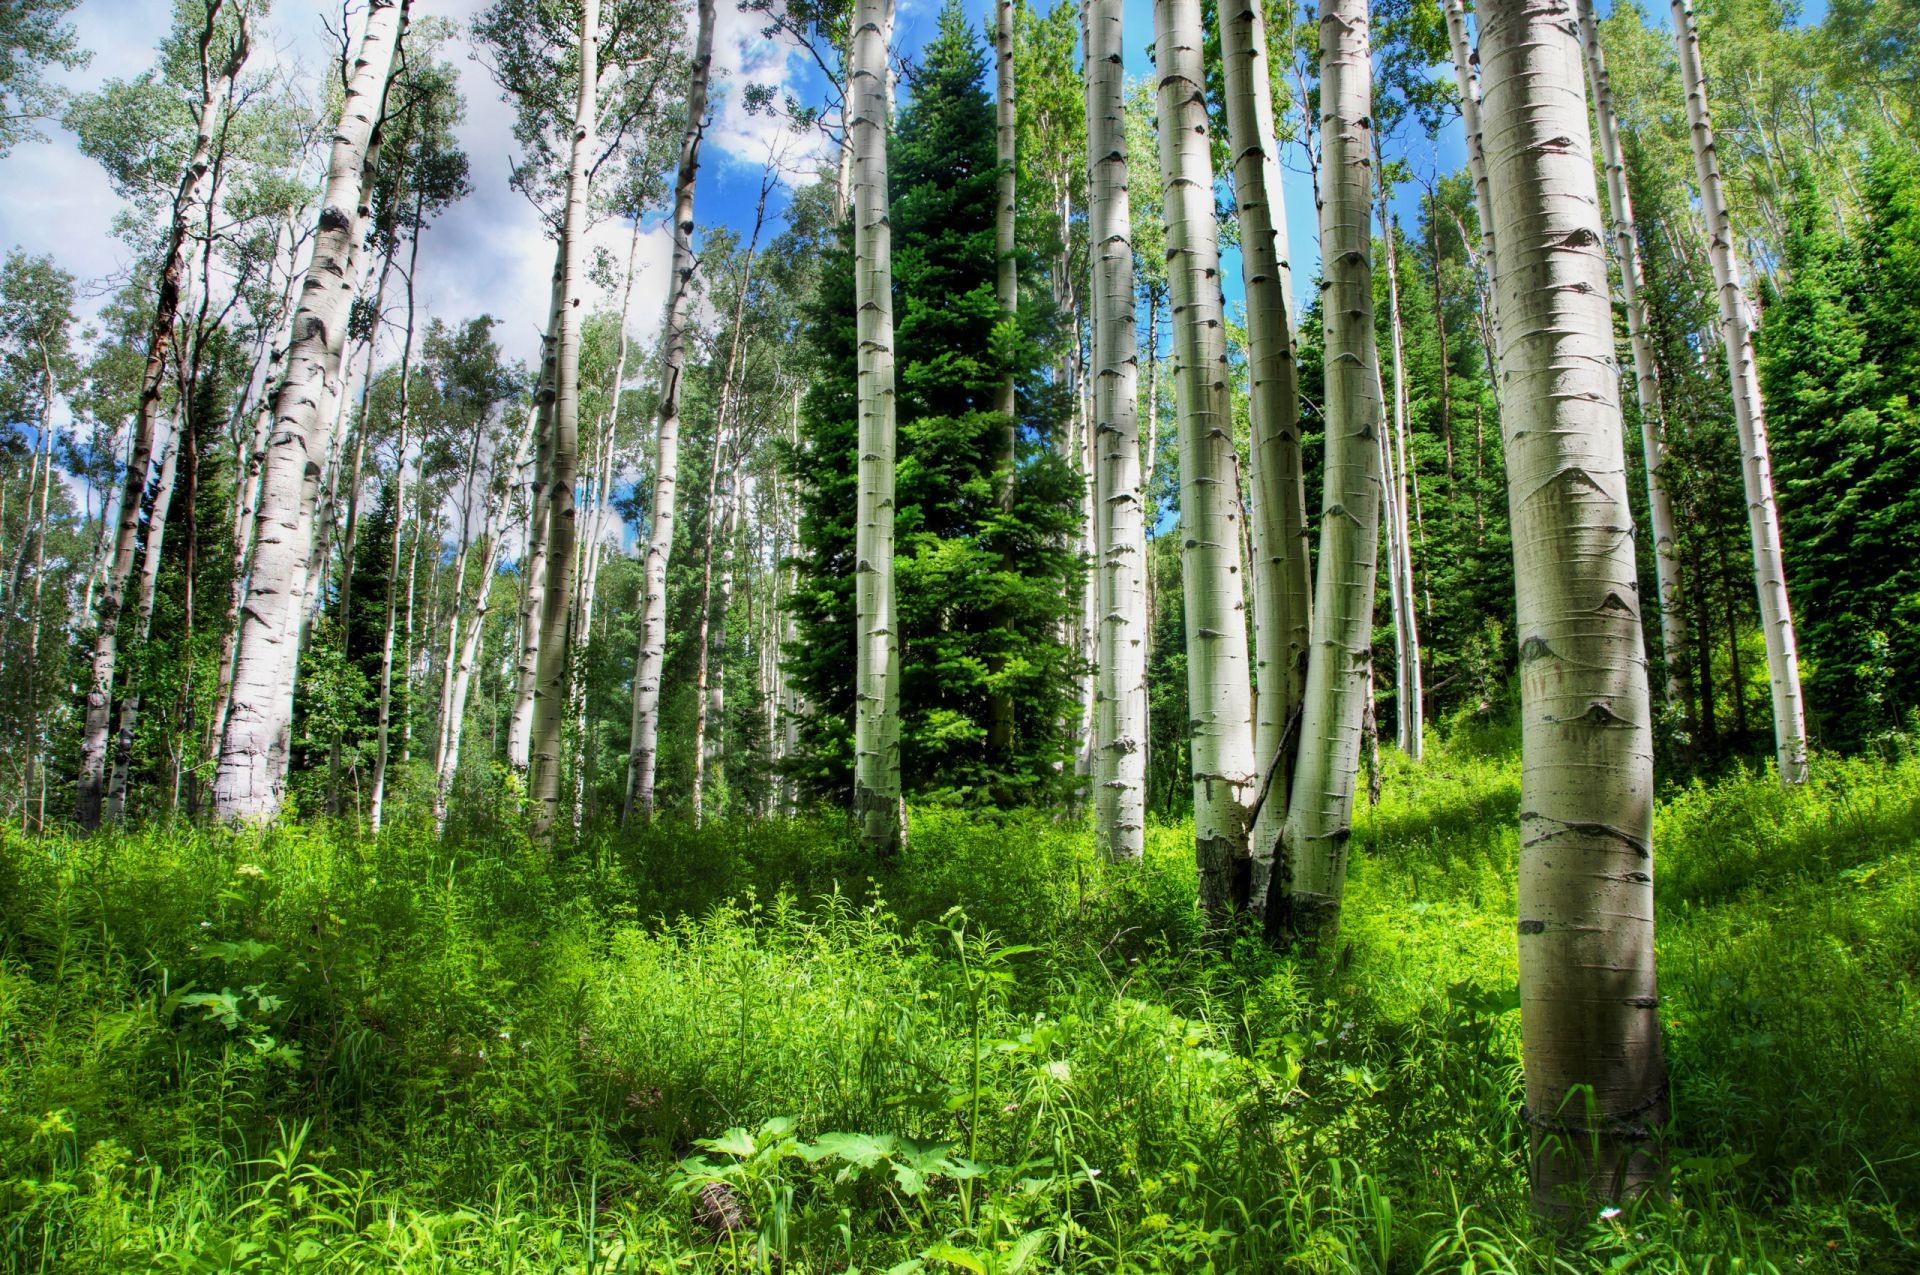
(161, 337)
(644, 749)
(1339, 673)
(556, 601)
(1282, 577)
(250, 778)
(1218, 690)
(1646, 375)
(877, 806)
(1589, 1017)
(1749, 417)
(1120, 800)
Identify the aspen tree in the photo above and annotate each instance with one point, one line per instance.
(1340, 668)
(1218, 690)
(644, 750)
(1466, 73)
(196, 178)
(1120, 799)
(1282, 577)
(249, 779)
(1409, 701)
(1590, 1029)
(1007, 293)
(1646, 376)
(550, 672)
(877, 806)
(1749, 416)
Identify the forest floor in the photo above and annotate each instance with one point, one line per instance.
(748, 1048)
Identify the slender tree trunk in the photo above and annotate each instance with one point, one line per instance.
(1466, 72)
(1340, 673)
(195, 183)
(1646, 375)
(1589, 1018)
(644, 749)
(534, 557)
(1749, 415)
(1411, 724)
(1282, 577)
(877, 806)
(35, 811)
(1120, 800)
(1000, 714)
(250, 778)
(144, 598)
(1218, 690)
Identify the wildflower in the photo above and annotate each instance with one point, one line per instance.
(1609, 1213)
(250, 870)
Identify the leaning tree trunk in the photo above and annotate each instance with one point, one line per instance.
(1340, 672)
(161, 334)
(1282, 576)
(1409, 709)
(1218, 691)
(1646, 376)
(556, 600)
(1000, 713)
(1749, 416)
(1120, 801)
(876, 728)
(1589, 1017)
(644, 749)
(248, 782)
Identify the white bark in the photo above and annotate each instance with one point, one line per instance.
(534, 556)
(144, 599)
(1466, 73)
(644, 752)
(1000, 712)
(1595, 1079)
(877, 804)
(1749, 416)
(1219, 693)
(1120, 802)
(248, 783)
(1646, 376)
(1282, 576)
(1339, 672)
(1409, 707)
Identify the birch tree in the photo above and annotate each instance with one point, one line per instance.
(251, 771)
(223, 50)
(1589, 1017)
(1749, 416)
(1339, 671)
(1121, 741)
(1282, 584)
(644, 749)
(1646, 376)
(1218, 689)
(877, 806)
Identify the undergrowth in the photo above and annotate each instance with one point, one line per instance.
(750, 1048)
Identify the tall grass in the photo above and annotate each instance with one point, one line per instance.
(301, 1051)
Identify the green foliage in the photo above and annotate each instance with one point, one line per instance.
(734, 1049)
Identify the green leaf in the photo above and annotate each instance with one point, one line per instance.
(735, 1141)
(862, 1149)
(952, 1256)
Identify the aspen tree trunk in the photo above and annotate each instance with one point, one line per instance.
(644, 750)
(248, 782)
(1007, 291)
(703, 631)
(1340, 670)
(1120, 802)
(1749, 416)
(36, 821)
(1595, 1077)
(534, 556)
(710, 673)
(377, 802)
(1219, 694)
(1466, 74)
(1411, 725)
(144, 599)
(550, 671)
(877, 806)
(1646, 376)
(195, 181)
(456, 711)
(1282, 577)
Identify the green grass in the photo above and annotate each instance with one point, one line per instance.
(303, 1052)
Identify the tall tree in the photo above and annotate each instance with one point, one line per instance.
(250, 778)
(1339, 674)
(223, 49)
(644, 749)
(1749, 416)
(1589, 1017)
(32, 38)
(1120, 794)
(1219, 691)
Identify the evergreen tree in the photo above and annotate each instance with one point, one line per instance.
(982, 592)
